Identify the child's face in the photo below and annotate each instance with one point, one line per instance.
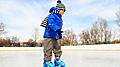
(61, 12)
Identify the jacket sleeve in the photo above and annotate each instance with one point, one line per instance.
(52, 24)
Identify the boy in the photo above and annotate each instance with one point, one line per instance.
(51, 36)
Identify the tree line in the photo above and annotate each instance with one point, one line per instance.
(98, 33)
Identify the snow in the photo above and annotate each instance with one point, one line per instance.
(73, 56)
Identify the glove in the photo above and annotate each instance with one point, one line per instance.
(59, 31)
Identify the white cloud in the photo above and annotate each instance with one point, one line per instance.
(23, 17)
(93, 8)
(85, 9)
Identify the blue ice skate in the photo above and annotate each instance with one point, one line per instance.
(59, 63)
(48, 64)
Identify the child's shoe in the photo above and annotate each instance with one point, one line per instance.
(48, 64)
(59, 63)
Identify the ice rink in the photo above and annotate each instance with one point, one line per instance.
(80, 56)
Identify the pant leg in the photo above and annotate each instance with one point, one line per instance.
(57, 48)
(48, 46)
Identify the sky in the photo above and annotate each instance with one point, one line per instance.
(22, 17)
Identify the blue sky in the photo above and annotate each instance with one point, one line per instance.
(21, 17)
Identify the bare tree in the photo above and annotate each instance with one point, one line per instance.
(85, 37)
(40, 43)
(5, 42)
(31, 43)
(15, 42)
(118, 22)
(2, 28)
(36, 34)
(94, 31)
(102, 29)
(98, 33)
(118, 17)
(2, 31)
(69, 38)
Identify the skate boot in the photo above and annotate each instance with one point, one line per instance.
(59, 63)
(48, 64)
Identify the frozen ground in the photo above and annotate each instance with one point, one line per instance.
(80, 56)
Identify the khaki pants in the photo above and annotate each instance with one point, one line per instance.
(51, 45)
